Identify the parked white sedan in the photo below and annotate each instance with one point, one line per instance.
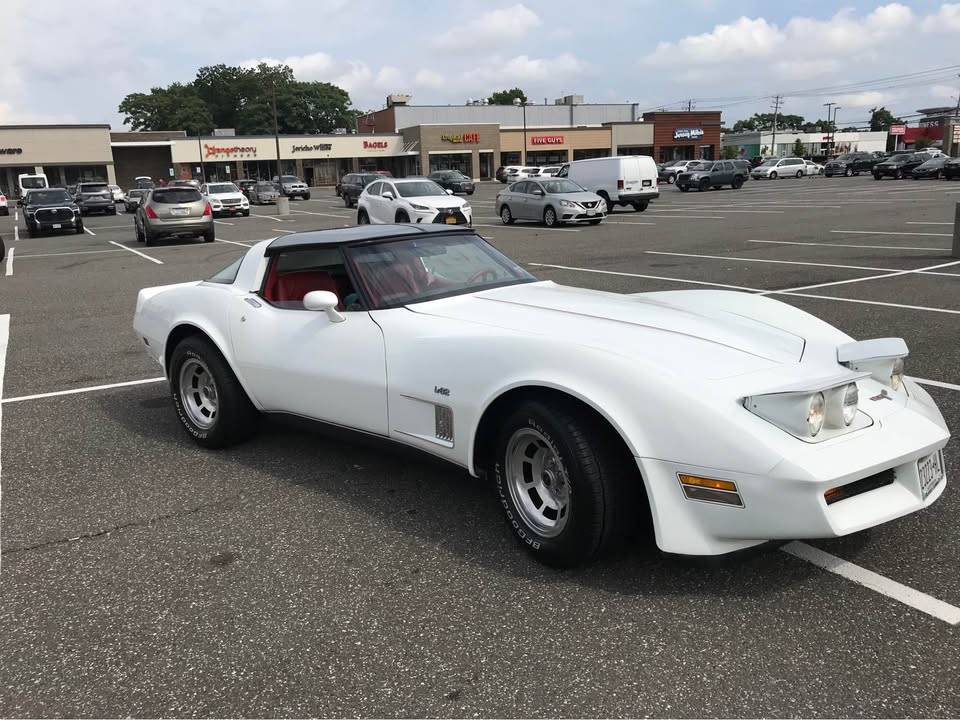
(725, 418)
(411, 200)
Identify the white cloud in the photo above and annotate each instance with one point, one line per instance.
(315, 66)
(429, 79)
(947, 19)
(524, 68)
(944, 92)
(868, 99)
(742, 39)
(493, 28)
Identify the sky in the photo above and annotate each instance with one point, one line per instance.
(59, 65)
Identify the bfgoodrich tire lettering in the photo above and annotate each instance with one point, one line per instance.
(584, 487)
(236, 419)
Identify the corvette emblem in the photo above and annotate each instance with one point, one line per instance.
(882, 396)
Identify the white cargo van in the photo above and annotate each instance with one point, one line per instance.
(31, 182)
(621, 180)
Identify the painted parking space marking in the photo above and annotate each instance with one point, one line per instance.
(224, 222)
(136, 252)
(61, 254)
(876, 582)
(89, 231)
(797, 262)
(270, 218)
(842, 245)
(936, 383)
(863, 279)
(16, 233)
(9, 269)
(234, 242)
(891, 232)
(340, 216)
(77, 391)
(4, 340)
(915, 222)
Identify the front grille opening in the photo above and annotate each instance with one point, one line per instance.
(859, 487)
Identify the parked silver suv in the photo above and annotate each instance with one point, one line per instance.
(170, 211)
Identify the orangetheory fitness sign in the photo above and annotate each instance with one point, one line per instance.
(231, 151)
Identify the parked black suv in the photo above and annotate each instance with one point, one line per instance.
(95, 197)
(852, 163)
(453, 180)
(51, 209)
(899, 166)
(352, 184)
(707, 174)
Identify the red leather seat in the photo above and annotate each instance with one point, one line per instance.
(292, 286)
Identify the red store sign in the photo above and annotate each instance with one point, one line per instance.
(546, 140)
(232, 151)
(374, 144)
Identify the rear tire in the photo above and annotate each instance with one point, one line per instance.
(563, 481)
(799, 174)
(307, 196)
(607, 201)
(210, 235)
(737, 183)
(671, 179)
(640, 205)
(346, 201)
(506, 217)
(79, 229)
(147, 236)
(210, 402)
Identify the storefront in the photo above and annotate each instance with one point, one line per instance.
(685, 135)
(471, 149)
(553, 146)
(316, 159)
(66, 154)
(631, 138)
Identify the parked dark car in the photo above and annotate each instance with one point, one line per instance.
(707, 174)
(352, 184)
(245, 186)
(899, 166)
(453, 180)
(94, 197)
(951, 168)
(932, 168)
(852, 163)
(756, 161)
(132, 200)
(51, 210)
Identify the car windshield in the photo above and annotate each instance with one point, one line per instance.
(222, 188)
(420, 188)
(900, 159)
(93, 187)
(561, 186)
(769, 163)
(409, 271)
(45, 197)
(700, 166)
(172, 196)
(367, 179)
(32, 183)
(849, 157)
(290, 179)
(934, 162)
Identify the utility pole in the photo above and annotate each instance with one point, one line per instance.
(776, 110)
(689, 104)
(203, 169)
(833, 132)
(830, 129)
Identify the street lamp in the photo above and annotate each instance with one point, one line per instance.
(523, 153)
(833, 131)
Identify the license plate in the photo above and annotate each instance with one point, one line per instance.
(930, 471)
(450, 220)
(57, 226)
(591, 211)
(179, 211)
(647, 183)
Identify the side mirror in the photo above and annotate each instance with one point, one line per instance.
(449, 191)
(323, 300)
(538, 192)
(388, 195)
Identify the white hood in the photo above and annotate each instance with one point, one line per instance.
(437, 202)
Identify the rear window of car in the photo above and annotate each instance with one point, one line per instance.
(172, 196)
(229, 273)
(93, 187)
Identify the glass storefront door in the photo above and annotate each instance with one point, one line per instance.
(487, 169)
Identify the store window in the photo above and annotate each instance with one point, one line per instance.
(458, 161)
(706, 152)
(676, 152)
(509, 158)
(589, 154)
(547, 157)
(635, 150)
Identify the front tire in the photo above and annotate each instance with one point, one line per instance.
(703, 185)
(79, 229)
(671, 179)
(363, 218)
(550, 217)
(401, 217)
(737, 183)
(506, 217)
(210, 402)
(847, 172)
(799, 174)
(562, 482)
(346, 201)
(773, 175)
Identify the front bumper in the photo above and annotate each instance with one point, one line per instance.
(43, 224)
(441, 217)
(230, 209)
(788, 503)
(889, 172)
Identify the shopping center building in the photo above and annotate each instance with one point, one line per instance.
(402, 139)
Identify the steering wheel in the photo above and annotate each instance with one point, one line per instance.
(485, 273)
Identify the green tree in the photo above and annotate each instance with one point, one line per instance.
(764, 121)
(882, 119)
(799, 150)
(506, 97)
(729, 152)
(177, 107)
(922, 143)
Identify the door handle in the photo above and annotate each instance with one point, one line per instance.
(252, 302)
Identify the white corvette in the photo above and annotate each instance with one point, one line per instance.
(726, 418)
(411, 200)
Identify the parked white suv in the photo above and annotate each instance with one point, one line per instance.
(780, 167)
(411, 200)
(225, 199)
(620, 180)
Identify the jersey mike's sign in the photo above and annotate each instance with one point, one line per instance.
(231, 151)
(318, 147)
(687, 133)
(546, 140)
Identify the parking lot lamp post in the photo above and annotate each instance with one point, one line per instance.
(203, 169)
(523, 153)
(833, 132)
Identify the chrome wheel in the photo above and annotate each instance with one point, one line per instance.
(550, 217)
(198, 393)
(538, 482)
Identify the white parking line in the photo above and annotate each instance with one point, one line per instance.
(936, 383)
(76, 391)
(234, 242)
(928, 223)
(9, 270)
(890, 232)
(223, 222)
(4, 337)
(340, 216)
(16, 216)
(73, 252)
(136, 252)
(860, 279)
(795, 262)
(878, 583)
(270, 218)
(608, 221)
(868, 247)
(89, 231)
(528, 227)
(723, 209)
(664, 216)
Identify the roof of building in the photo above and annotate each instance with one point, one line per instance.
(359, 234)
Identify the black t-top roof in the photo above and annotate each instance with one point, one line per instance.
(359, 234)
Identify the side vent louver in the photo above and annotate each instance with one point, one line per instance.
(444, 422)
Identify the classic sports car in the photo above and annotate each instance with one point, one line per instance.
(725, 418)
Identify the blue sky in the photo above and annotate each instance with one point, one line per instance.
(653, 53)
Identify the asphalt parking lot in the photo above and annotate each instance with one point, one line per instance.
(314, 573)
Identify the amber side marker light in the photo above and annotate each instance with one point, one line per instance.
(723, 492)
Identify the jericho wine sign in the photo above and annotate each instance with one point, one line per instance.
(11, 151)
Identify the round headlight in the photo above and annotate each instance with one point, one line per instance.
(815, 414)
(851, 397)
(896, 375)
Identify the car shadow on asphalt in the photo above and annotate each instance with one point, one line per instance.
(400, 489)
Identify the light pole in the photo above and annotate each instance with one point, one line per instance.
(829, 127)
(523, 153)
(833, 131)
(203, 169)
